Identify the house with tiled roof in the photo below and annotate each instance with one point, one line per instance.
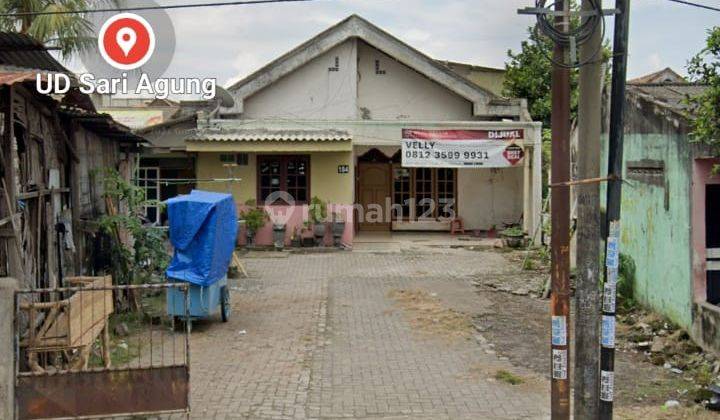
(671, 206)
(391, 139)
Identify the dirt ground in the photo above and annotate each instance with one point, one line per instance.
(641, 387)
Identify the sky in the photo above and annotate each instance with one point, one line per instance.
(228, 43)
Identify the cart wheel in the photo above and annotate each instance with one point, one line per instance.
(224, 304)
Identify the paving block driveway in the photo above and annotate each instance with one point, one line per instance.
(321, 336)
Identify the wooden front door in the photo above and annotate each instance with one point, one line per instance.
(374, 196)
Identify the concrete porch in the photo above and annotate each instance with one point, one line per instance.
(407, 241)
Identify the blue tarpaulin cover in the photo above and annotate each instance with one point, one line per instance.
(203, 230)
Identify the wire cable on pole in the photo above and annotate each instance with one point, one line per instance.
(142, 8)
(569, 36)
(701, 6)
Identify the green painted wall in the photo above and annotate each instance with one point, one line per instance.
(656, 226)
(656, 219)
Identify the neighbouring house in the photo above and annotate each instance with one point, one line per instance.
(134, 112)
(166, 170)
(489, 78)
(671, 207)
(330, 119)
(54, 151)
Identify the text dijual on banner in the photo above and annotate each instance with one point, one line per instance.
(462, 148)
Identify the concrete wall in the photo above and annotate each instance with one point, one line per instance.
(656, 216)
(403, 94)
(208, 166)
(706, 316)
(490, 197)
(489, 78)
(312, 91)
(357, 91)
(325, 182)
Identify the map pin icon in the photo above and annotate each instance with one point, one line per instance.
(126, 39)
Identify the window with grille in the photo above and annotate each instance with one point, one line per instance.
(401, 192)
(424, 193)
(290, 174)
(149, 180)
(424, 207)
(445, 192)
(240, 159)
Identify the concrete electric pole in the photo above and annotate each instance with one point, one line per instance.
(556, 23)
(614, 196)
(587, 287)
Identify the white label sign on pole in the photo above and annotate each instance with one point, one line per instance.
(462, 148)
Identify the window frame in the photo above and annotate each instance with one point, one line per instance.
(144, 181)
(434, 194)
(283, 176)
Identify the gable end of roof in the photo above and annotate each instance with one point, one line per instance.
(485, 103)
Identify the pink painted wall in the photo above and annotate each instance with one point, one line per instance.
(702, 170)
(294, 217)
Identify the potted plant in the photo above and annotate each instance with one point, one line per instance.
(255, 218)
(514, 237)
(279, 236)
(296, 237)
(307, 239)
(492, 232)
(318, 214)
(338, 227)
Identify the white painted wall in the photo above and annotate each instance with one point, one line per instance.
(312, 91)
(402, 93)
(490, 197)
(356, 91)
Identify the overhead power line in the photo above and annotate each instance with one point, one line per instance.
(701, 6)
(143, 8)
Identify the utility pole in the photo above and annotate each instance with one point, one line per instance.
(614, 195)
(587, 291)
(560, 209)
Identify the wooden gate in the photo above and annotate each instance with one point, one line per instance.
(69, 364)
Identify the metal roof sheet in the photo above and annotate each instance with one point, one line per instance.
(10, 78)
(101, 123)
(239, 135)
(24, 51)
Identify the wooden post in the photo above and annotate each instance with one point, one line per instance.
(560, 240)
(7, 347)
(15, 260)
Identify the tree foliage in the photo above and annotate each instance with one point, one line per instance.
(144, 254)
(70, 33)
(529, 76)
(704, 69)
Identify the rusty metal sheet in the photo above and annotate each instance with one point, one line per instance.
(12, 77)
(78, 394)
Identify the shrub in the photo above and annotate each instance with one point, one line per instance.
(317, 210)
(626, 284)
(255, 218)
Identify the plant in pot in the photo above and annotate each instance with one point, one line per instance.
(279, 236)
(296, 237)
(307, 239)
(255, 218)
(514, 237)
(338, 227)
(318, 213)
(492, 232)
